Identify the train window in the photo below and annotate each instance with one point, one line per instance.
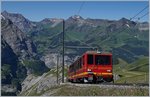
(90, 59)
(80, 62)
(71, 68)
(76, 65)
(102, 60)
(83, 60)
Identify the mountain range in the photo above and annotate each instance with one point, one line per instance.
(25, 42)
(126, 36)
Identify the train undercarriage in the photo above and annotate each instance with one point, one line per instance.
(92, 79)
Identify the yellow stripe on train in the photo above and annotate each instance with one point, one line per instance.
(85, 73)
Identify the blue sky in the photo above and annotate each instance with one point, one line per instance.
(36, 11)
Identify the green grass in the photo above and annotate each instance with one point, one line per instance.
(140, 65)
(68, 90)
(72, 90)
(136, 72)
(144, 78)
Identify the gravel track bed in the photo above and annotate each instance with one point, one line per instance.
(109, 85)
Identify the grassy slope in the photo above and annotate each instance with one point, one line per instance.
(98, 91)
(136, 72)
(72, 90)
(128, 76)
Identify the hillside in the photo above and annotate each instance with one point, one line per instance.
(124, 38)
(136, 72)
(46, 85)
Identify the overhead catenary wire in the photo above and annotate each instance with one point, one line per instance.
(143, 15)
(139, 12)
(78, 13)
(130, 20)
(80, 8)
(140, 17)
(80, 47)
(88, 46)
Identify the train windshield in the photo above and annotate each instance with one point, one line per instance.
(102, 60)
(90, 59)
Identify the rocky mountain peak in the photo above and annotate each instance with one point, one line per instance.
(124, 19)
(126, 22)
(13, 15)
(50, 20)
(77, 17)
(75, 20)
(20, 21)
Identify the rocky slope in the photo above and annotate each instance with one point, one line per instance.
(42, 85)
(20, 21)
(21, 45)
(11, 72)
(38, 84)
(16, 50)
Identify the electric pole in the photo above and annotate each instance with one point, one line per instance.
(63, 51)
(57, 67)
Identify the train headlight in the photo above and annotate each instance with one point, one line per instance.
(88, 69)
(108, 70)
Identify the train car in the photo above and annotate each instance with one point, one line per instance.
(92, 66)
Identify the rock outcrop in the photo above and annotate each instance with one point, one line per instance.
(17, 49)
(20, 21)
(17, 40)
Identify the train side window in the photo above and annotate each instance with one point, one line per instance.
(71, 68)
(90, 59)
(76, 65)
(80, 62)
(83, 60)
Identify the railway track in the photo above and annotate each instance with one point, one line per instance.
(109, 85)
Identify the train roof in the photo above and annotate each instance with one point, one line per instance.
(97, 52)
(93, 52)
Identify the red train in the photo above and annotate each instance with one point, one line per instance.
(91, 67)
